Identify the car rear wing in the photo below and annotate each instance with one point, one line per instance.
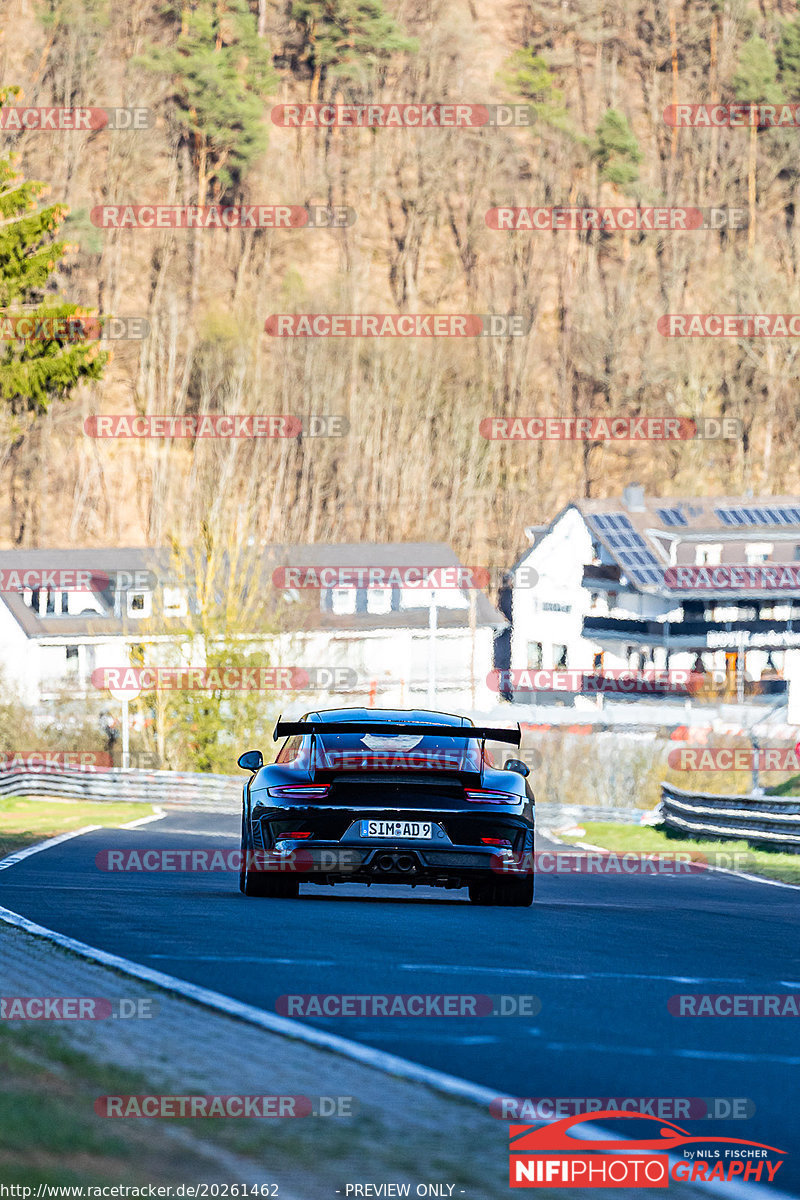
(482, 733)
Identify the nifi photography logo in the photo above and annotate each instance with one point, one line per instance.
(550, 1156)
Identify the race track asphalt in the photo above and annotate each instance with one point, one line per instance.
(602, 953)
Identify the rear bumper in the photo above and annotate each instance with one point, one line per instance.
(415, 863)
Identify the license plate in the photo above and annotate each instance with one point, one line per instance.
(396, 829)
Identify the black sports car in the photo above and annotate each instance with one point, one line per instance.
(388, 796)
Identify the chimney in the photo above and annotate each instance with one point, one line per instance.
(633, 497)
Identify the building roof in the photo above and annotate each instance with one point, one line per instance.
(646, 535)
(304, 616)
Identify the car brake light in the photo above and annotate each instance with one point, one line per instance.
(300, 792)
(485, 796)
(299, 833)
(496, 842)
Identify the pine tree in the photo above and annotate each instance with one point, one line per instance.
(788, 56)
(528, 75)
(220, 74)
(36, 371)
(755, 80)
(346, 39)
(616, 149)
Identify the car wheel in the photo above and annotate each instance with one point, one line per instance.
(263, 883)
(243, 862)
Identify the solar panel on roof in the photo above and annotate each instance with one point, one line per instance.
(672, 516)
(753, 515)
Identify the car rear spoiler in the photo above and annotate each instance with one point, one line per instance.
(483, 734)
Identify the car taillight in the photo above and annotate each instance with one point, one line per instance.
(504, 842)
(301, 833)
(485, 796)
(295, 791)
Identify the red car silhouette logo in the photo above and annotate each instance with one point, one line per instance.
(553, 1138)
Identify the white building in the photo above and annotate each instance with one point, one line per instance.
(402, 645)
(597, 591)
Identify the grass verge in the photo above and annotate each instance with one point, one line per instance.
(772, 864)
(24, 821)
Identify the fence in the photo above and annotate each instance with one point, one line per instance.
(769, 820)
(187, 789)
(221, 792)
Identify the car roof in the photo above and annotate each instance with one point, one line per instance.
(378, 716)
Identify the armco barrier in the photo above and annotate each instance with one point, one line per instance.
(771, 820)
(187, 789)
(224, 792)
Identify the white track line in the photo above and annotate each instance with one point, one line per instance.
(795, 887)
(13, 859)
(158, 815)
(390, 1064)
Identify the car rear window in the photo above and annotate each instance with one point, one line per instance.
(403, 752)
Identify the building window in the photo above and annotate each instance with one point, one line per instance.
(51, 602)
(612, 600)
(343, 601)
(535, 655)
(174, 602)
(65, 602)
(379, 600)
(139, 604)
(708, 556)
(594, 601)
(758, 552)
(559, 657)
(72, 660)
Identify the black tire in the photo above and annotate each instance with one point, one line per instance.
(263, 883)
(507, 893)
